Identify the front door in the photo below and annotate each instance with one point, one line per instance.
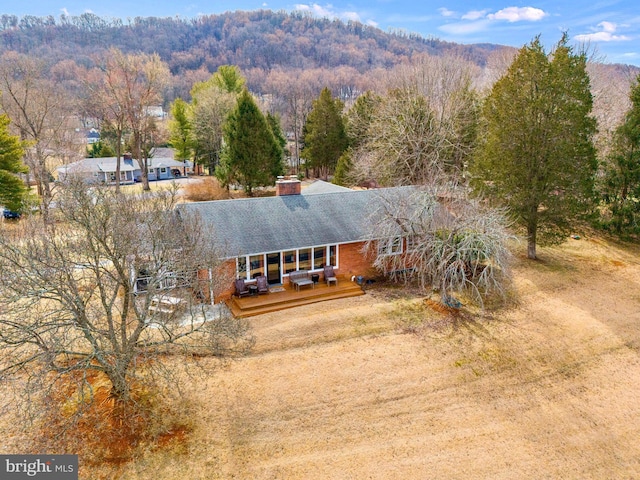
(273, 268)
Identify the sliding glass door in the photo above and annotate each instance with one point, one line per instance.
(273, 268)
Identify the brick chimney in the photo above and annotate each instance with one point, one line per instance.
(288, 186)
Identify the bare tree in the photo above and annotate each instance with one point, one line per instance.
(442, 240)
(297, 92)
(40, 111)
(438, 78)
(105, 97)
(610, 87)
(497, 65)
(425, 125)
(209, 109)
(121, 280)
(131, 85)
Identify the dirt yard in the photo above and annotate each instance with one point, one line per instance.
(379, 387)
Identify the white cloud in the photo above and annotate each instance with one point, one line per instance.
(353, 16)
(608, 26)
(327, 12)
(475, 21)
(65, 12)
(445, 12)
(315, 9)
(518, 14)
(606, 33)
(474, 15)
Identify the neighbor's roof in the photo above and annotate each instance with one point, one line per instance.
(105, 164)
(157, 162)
(269, 224)
(108, 165)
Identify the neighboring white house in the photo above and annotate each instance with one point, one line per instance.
(103, 170)
(100, 170)
(93, 136)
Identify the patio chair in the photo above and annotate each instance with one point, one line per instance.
(241, 288)
(262, 284)
(329, 275)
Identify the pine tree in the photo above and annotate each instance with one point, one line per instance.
(620, 186)
(359, 118)
(252, 157)
(181, 136)
(12, 188)
(228, 78)
(357, 122)
(325, 137)
(537, 156)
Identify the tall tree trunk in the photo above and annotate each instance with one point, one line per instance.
(532, 230)
(145, 175)
(118, 172)
(119, 385)
(41, 175)
(142, 160)
(118, 156)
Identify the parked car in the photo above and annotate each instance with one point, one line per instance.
(176, 172)
(10, 214)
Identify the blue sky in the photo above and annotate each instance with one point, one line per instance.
(610, 27)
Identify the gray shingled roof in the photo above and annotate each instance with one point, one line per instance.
(269, 224)
(91, 165)
(108, 164)
(320, 186)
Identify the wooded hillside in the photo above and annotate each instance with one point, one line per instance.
(257, 41)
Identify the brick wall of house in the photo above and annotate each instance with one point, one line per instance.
(352, 261)
(225, 275)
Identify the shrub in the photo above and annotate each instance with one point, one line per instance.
(203, 189)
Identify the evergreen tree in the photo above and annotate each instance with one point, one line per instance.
(12, 188)
(344, 168)
(325, 137)
(100, 149)
(273, 121)
(252, 157)
(537, 156)
(357, 122)
(180, 129)
(359, 118)
(461, 131)
(620, 186)
(228, 78)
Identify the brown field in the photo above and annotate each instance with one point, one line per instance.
(383, 387)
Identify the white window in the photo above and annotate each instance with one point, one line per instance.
(391, 246)
(241, 267)
(413, 243)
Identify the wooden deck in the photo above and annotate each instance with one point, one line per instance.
(289, 297)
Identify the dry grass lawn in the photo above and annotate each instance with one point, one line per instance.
(385, 388)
